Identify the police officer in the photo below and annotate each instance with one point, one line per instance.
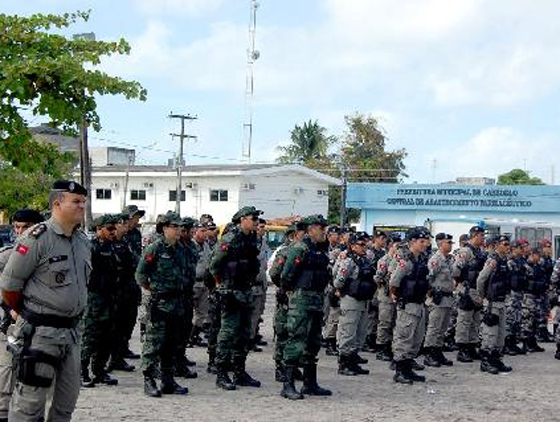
(353, 277)
(45, 282)
(517, 264)
(548, 262)
(387, 306)
(469, 261)
(100, 316)
(134, 236)
(21, 221)
(162, 273)
(537, 285)
(493, 285)
(259, 289)
(439, 302)
(555, 284)
(409, 286)
(200, 296)
(235, 266)
(375, 253)
(331, 307)
(304, 278)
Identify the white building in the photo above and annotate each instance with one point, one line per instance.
(111, 156)
(220, 190)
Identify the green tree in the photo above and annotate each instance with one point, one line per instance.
(518, 177)
(45, 73)
(309, 145)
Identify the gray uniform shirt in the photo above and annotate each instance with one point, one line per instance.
(50, 269)
(440, 269)
(346, 269)
(204, 255)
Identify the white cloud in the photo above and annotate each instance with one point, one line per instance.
(494, 151)
(177, 7)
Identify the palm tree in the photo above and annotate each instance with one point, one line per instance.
(309, 143)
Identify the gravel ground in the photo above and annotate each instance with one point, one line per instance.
(457, 394)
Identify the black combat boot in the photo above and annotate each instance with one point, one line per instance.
(310, 386)
(534, 346)
(87, 382)
(119, 364)
(182, 369)
(544, 335)
(344, 367)
(279, 374)
(509, 342)
(487, 364)
(188, 361)
(430, 358)
(360, 360)
(260, 341)
(289, 390)
(103, 377)
(195, 339)
(400, 373)
(385, 353)
(243, 379)
(129, 354)
(557, 354)
(223, 380)
(499, 363)
(169, 385)
(416, 366)
(409, 371)
(331, 349)
(370, 345)
(514, 347)
(211, 368)
(441, 357)
(150, 386)
(298, 375)
(471, 347)
(463, 354)
(354, 364)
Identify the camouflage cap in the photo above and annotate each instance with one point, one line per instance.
(188, 222)
(132, 210)
(171, 217)
(244, 212)
(316, 219)
(105, 220)
(291, 229)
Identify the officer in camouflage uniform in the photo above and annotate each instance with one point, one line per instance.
(100, 316)
(439, 302)
(259, 289)
(294, 234)
(493, 285)
(375, 253)
(162, 273)
(409, 286)
(331, 307)
(304, 278)
(469, 261)
(200, 297)
(537, 286)
(21, 221)
(353, 277)
(45, 282)
(126, 297)
(517, 264)
(134, 235)
(235, 266)
(387, 306)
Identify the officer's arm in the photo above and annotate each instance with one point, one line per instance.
(434, 268)
(343, 270)
(294, 260)
(381, 272)
(20, 266)
(221, 252)
(460, 261)
(146, 266)
(484, 276)
(398, 273)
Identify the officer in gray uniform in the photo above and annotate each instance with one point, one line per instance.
(375, 252)
(45, 282)
(201, 292)
(493, 284)
(353, 277)
(259, 289)
(21, 221)
(439, 302)
(409, 286)
(468, 263)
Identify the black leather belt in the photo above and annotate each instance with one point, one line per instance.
(47, 320)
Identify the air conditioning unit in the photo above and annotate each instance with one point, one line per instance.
(191, 185)
(298, 190)
(113, 185)
(322, 192)
(148, 185)
(247, 186)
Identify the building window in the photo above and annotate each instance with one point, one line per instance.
(103, 193)
(138, 195)
(173, 196)
(217, 195)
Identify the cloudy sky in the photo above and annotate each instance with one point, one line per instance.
(468, 87)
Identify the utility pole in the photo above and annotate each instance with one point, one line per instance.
(180, 161)
(343, 198)
(126, 177)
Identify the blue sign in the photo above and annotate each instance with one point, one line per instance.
(384, 196)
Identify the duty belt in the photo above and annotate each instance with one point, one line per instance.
(47, 320)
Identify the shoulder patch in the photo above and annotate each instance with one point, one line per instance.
(224, 246)
(38, 230)
(402, 264)
(22, 249)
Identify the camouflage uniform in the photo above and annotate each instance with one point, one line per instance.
(200, 296)
(537, 287)
(387, 308)
(235, 266)
(440, 305)
(163, 271)
(374, 305)
(514, 302)
(331, 306)
(259, 289)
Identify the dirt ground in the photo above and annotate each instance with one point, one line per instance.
(457, 394)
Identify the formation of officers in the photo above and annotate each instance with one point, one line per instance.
(70, 304)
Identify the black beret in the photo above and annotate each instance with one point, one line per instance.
(379, 233)
(28, 216)
(443, 236)
(475, 230)
(69, 186)
(333, 229)
(417, 233)
(395, 237)
(358, 237)
(499, 238)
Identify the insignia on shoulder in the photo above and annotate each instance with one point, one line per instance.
(38, 230)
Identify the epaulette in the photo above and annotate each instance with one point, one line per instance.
(38, 230)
